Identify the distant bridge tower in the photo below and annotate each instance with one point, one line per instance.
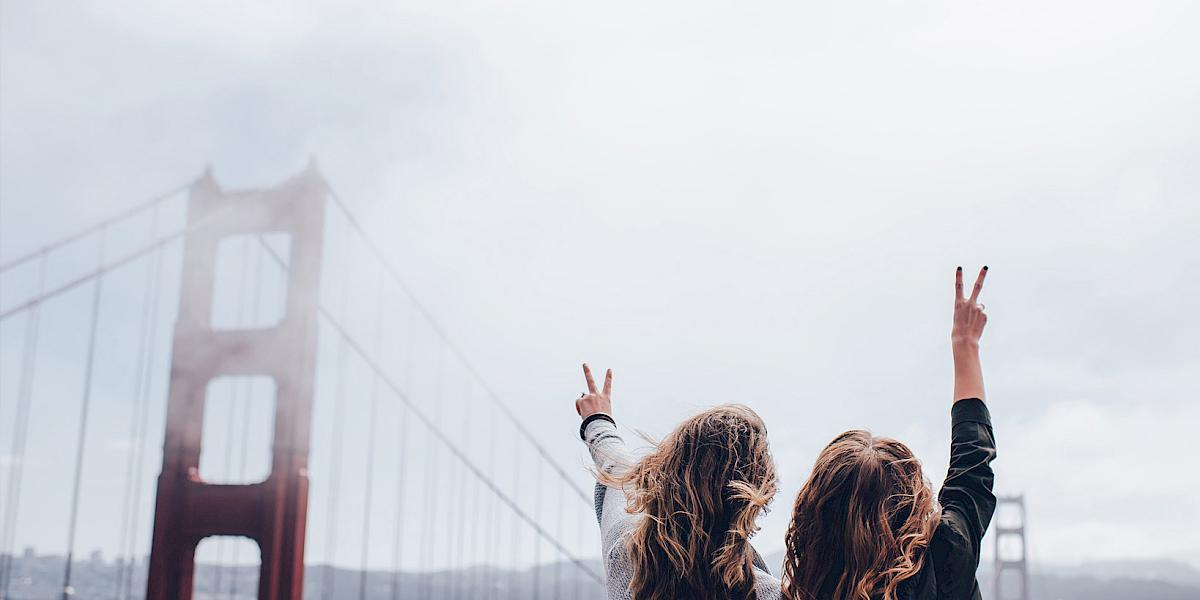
(1012, 569)
(273, 512)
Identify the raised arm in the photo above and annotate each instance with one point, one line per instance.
(966, 496)
(599, 431)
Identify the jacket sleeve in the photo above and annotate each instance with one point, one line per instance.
(966, 496)
(608, 452)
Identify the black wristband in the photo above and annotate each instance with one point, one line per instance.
(593, 417)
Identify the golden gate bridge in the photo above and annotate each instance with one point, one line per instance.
(267, 333)
(301, 393)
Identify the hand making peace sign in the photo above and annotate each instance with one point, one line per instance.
(969, 317)
(592, 401)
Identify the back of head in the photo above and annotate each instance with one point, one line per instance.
(861, 522)
(700, 492)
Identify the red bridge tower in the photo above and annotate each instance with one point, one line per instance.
(272, 513)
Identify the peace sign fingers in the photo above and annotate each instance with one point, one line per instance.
(595, 401)
(978, 284)
(587, 373)
(969, 318)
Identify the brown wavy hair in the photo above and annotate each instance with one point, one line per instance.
(861, 523)
(700, 491)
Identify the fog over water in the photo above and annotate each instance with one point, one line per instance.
(760, 204)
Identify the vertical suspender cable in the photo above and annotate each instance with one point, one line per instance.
(398, 534)
(515, 543)
(127, 576)
(492, 522)
(558, 522)
(471, 540)
(335, 458)
(580, 536)
(248, 398)
(431, 503)
(136, 407)
(447, 444)
(537, 543)
(461, 518)
(232, 424)
(369, 484)
(463, 522)
(398, 530)
(73, 523)
(8, 529)
(448, 532)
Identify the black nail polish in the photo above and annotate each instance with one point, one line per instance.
(984, 267)
(960, 268)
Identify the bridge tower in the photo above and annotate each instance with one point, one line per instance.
(1011, 565)
(273, 512)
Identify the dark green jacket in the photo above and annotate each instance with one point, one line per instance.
(967, 506)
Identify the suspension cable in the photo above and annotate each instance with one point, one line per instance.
(232, 424)
(369, 484)
(152, 202)
(537, 545)
(469, 510)
(453, 526)
(450, 446)
(458, 353)
(460, 520)
(8, 529)
(431, 505)
(516, 525)
(398, 540)
(127, 577)
(248, 396)
(558, 522)
(114, 264)
(84, 414)
(335, 452)
(493, 522)
(435, 431)
(136, 406)
(580, 527)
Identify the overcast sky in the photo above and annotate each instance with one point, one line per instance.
(758, 203)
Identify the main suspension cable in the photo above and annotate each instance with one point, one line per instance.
(458, 353)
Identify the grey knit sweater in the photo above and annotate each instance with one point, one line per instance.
(608, 452)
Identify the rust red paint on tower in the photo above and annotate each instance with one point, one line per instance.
(273, 512)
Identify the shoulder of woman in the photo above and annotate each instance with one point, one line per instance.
(766, 586)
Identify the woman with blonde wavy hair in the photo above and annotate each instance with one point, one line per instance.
(865, 525)
(677, 522)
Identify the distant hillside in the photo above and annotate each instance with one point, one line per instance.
(1171, 571)
(39, 577)
(1106, 580)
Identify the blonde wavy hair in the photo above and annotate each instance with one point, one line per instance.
(700, 491)
(861, 523)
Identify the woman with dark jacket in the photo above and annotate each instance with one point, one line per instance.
(865, 525)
